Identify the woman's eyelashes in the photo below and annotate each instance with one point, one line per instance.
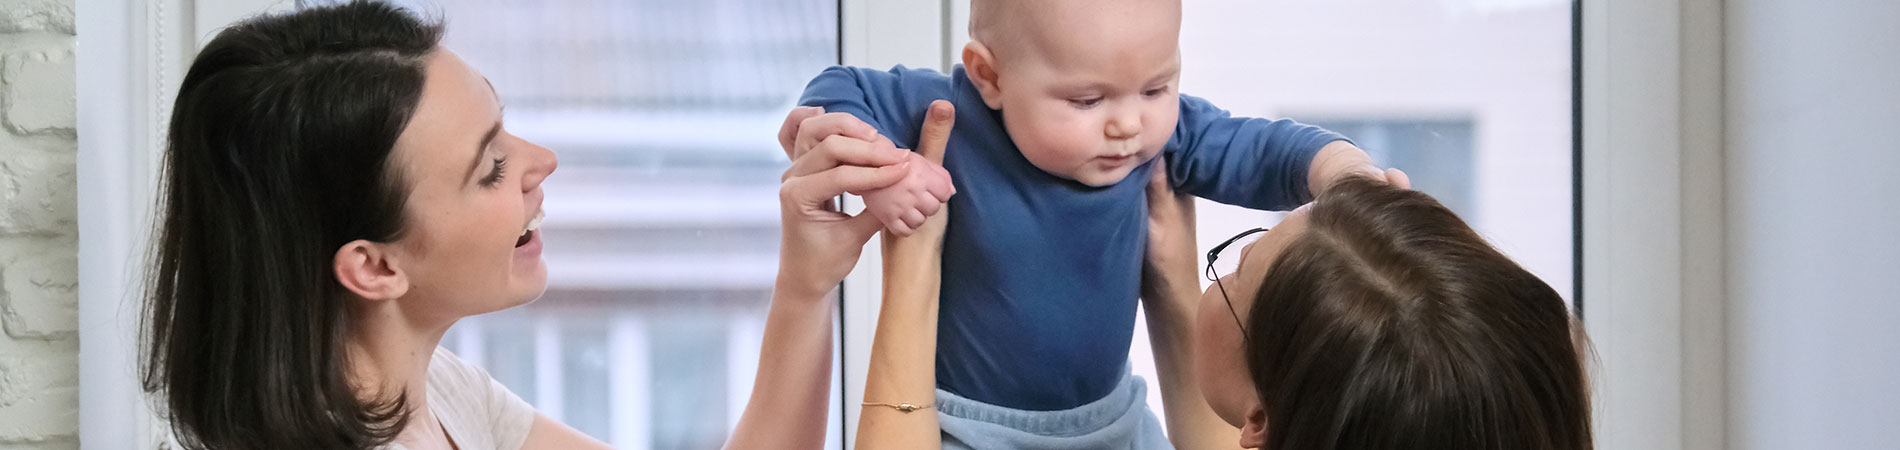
(494, 176)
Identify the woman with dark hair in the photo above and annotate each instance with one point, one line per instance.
(1372, 318)
(339, 190)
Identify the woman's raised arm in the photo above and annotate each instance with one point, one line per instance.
(1170, 295)
(831, 156)
(819, 245)
(900, 386)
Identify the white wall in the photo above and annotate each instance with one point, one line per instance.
(1813, 218)
(39, 367)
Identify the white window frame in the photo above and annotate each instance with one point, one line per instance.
(1652, 221)
(1651, 201)
(880, 34)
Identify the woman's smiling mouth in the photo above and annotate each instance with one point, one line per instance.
(528, 232)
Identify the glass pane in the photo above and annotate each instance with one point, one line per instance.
(1472, 98)
(662, 221)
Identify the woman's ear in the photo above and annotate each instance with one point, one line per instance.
(980, 65)
(1253, 434)
(368, 270)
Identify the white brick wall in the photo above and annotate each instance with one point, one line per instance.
(39, 369)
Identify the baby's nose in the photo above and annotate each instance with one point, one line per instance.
(1126, 125)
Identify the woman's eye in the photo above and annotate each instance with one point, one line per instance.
(1085, 103)
(495, 175)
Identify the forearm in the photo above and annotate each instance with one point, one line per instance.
(1170, 310)
(791, 392)
(903, 355)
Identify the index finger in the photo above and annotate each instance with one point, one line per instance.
(936, 131)
(815, 129)
(788, 132)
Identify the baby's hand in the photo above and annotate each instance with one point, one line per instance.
(902, 207)
(1340, 159)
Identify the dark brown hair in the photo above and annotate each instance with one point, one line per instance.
(1391, 324)
(278, 154)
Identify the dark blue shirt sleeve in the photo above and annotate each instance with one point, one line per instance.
(1255, 163)
(893, 101)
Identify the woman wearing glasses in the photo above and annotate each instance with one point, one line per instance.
(1372, 318)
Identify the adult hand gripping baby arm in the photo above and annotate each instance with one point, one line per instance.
(818, 246)
(1170, 294)
(901, 207)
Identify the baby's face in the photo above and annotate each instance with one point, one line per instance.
(1097, 95)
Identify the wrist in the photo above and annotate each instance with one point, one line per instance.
(1335, 160)
(794, 287)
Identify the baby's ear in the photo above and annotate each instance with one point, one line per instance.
(980, 65)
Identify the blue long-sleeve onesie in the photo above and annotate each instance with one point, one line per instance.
(1041, 274)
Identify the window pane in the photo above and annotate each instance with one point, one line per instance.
(1472, 98)
(662, 221)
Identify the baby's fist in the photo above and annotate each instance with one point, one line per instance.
(902, 207)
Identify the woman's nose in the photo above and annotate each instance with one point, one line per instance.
(542, 164)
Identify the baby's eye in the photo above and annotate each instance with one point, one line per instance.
(1156, 92)
(1085, 103)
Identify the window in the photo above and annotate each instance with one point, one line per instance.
(1435, 153)
(1471, 97)
(662, 221)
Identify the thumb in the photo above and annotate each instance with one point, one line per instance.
(936, 131)
(863, 226)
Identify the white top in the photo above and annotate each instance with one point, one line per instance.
(477, 411)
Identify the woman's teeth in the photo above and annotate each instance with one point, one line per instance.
(528, 233)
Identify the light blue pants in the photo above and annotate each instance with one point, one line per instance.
(1119, 421)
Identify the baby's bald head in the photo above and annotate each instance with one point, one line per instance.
(1087, 87)
(1014, 28)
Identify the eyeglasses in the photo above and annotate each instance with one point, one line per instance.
(1214, 254)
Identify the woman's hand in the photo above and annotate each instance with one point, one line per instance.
(1168, 270)
(819, 244)
(1170, 296)
(932, 140)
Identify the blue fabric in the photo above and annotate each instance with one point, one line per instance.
(1040, 273)
(1120, 420)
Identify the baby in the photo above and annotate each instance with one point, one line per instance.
(1061, 107)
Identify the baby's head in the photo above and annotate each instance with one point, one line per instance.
(1087, 88)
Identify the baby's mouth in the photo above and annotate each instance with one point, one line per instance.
(527, 234)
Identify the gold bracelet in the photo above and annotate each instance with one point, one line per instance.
(900, 407)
